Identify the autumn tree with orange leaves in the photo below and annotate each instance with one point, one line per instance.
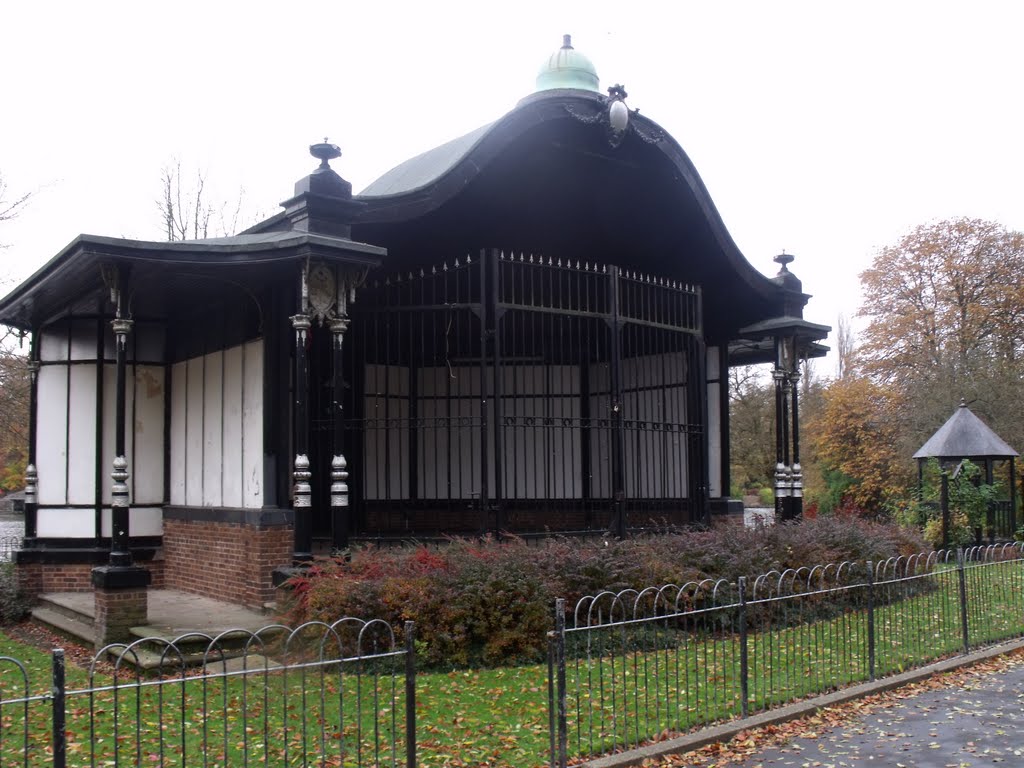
(945, 311)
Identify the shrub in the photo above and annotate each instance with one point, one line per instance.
(489, 602)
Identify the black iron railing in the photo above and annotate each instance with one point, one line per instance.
(319, 694)
(629, 666)
(519, 393)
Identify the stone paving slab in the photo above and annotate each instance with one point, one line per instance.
(173, 613)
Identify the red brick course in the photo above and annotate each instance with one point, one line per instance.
(225, 561)
(40, 578)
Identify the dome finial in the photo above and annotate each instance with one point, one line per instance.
(567, 68)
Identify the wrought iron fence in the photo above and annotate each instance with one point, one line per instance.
(628, 666)
(319, 694)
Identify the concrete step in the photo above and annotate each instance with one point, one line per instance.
(70, 604)
(76, 627)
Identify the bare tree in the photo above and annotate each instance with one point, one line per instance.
(10, 208)
(845, 347)
(186, 210)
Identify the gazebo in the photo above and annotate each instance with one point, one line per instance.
(966, 437)
(527, 329)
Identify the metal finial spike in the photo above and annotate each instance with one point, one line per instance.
(444, 266)
(422, 274)
(559, 261)
(577, 263)
(550, 263)
(456, 262)
(531, 258)
(387, 281)
(469, 258)
(410, 274)
(433, 270)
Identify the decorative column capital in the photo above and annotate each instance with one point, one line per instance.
(338, 325)
(122, 326)
(303, 492)
(339, 484)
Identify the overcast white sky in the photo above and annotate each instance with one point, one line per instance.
(827, 129)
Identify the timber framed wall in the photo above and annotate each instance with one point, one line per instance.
(75, 430)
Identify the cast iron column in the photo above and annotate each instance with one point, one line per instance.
(339, 467)
(781, 486)
(31, 475)
(796, 500)
(302, 492)
(120, 551)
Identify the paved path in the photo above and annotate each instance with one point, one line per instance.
(980, 722)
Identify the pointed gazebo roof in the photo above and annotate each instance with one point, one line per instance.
(964, 435)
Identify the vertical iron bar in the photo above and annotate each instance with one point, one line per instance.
(410, 694)
(962, 579)
(1013, 499)
(563, 726)
(944, 503)
(485, 320)
(552, 642)
(497, 373)
(59, 726)
(618, 452)
(871, 620)
(744, 661)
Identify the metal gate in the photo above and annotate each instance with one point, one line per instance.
(524, 394)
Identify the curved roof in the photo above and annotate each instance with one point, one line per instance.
(965, 435)
(550, 121)
(419, 171)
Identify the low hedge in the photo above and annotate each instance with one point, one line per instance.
(490, 602)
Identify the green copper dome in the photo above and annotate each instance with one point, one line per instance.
(567, 68)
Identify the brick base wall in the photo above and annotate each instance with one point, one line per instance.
(117, 611)
(226, 561)
(40, 578)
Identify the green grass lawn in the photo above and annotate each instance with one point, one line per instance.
(662, 680)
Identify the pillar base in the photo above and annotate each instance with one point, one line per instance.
(121, 602)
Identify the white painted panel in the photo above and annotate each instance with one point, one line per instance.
(715, 438)
(213, 424)
(252, 425)
(66, 524)
(194, 433)
(178, 434)
(109, 415)
(51, 434)
(82, 436)
(433, 450)
(713, 358)
(142, 521)
(387, 450)
(83, 339)
(53, 344)
(233, 453)
(148, 436)
(600, 447)
(676, 443)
